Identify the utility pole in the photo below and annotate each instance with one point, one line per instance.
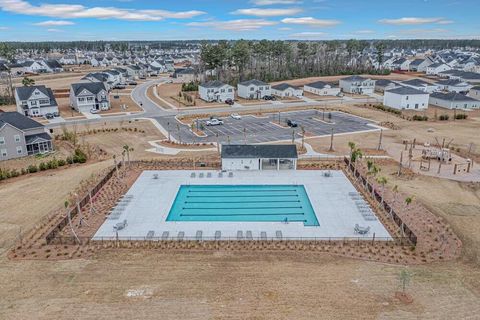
(245, 135)
(331, 142)
(400, 164)
(380, 140)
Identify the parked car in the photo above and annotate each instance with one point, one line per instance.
(142, 77)
(236, 116)
(153, 75)
(119, 87)
(49, 116)
(230, 102)
(291, 123)
(56, 114)
(214, 122)
(93, 111)
(132, 83)
(269, 98)
(104, 108)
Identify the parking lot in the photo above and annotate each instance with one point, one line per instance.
(269, 128)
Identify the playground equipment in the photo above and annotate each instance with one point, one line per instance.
(440, 154)
(462, 167)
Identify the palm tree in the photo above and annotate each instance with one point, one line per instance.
(395, 192)
(27, 82)
(127, 149)
(383, 181)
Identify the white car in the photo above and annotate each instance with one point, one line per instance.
(236, 116)
(214, 122)
(93, 111)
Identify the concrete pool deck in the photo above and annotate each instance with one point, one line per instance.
(150, 198)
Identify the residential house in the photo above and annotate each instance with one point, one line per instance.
(286, 90)
(16, 69)
(357, 85)
(384, 84)
(216, 91)
(454, 85)
(453, 100)
(253, 89)
(420, 65)
(21, 136)
(184, 75)
(420, 85)
(52, 66)
(406, 98)
(86, 96)
(436, 68)
(401, 64)
(474, 93)
(35, 101)
(259, 157)
(33, 67)
(321, 88)
(68, 59)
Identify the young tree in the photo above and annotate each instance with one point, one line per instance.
(383, 181)
(28, 82)
(404, 278)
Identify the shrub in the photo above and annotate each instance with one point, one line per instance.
(42, 166)
(79, 156)
(444, 117)
(61, 162)
(32, 168)
(461, 116)
(69, 160)
(52, 164)
(419, 118)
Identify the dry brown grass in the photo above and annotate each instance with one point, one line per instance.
(123, 99)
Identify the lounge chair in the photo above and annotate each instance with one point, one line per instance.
(361, 230)
(218, 235)
(198, 235)
(239, 235)
(209, 174)
(200, 175)
(150, 234)
(249, 235)
(230, 174)
(181, 235)
(120, 225)
(165, 235)
(220, 175)
(263, 235)
(278, 234)
(192, 175)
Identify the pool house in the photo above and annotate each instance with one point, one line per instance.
(259, 157)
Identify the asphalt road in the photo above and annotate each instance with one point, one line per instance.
(258, 130)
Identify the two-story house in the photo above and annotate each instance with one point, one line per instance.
(89, 96)
(357, 84)
(216, 91)
(21, 136)
(253, 89)
(35, 101)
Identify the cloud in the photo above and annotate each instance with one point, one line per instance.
(423, 32)
(258, 12)
(51, 23)
(54, 30)
(4, 28)
(270, 2)
(235, 25)
(366, 31)
(311, 22)
(414, 21)
(72, 11)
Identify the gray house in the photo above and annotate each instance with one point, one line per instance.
(86, 96)
(21, 136)
(35, 101)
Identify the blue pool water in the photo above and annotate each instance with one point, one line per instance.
(247, 203)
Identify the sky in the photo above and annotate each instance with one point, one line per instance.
(62, 20)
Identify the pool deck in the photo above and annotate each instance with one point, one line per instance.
(152, 198)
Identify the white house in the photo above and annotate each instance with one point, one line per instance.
(184, 75)
(384, 84)
(406, 98)
(253, 89)
(453, 100)
(474, 93)
(35, 101)
(420, 65)
(259, 157)
(216, 91)
(357, 84)
(401, 64)
(321, 88)
(286, 90)
(420, 85)
(33, 67)
(89, 95)
(436, 68)
(454, 85)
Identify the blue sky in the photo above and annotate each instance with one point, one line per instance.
(33, 20)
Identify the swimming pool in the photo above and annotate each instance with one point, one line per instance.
(247, 203)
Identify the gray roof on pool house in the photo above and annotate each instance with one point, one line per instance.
(264, 151)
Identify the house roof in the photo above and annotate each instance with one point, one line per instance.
(33, 137)
(354, 78)
(436, 65)
(254, 82)
(283, 86)
(417, 83)
(266, 151)
(3, 67)
(450, 82)
(24, 93)
(476, 88)
(406, 90)
(317, 84)
(18, 120)
(213, 84)
(452, 96)
(53, 64)
(416, 62)
(384, 82)
(93, 87)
